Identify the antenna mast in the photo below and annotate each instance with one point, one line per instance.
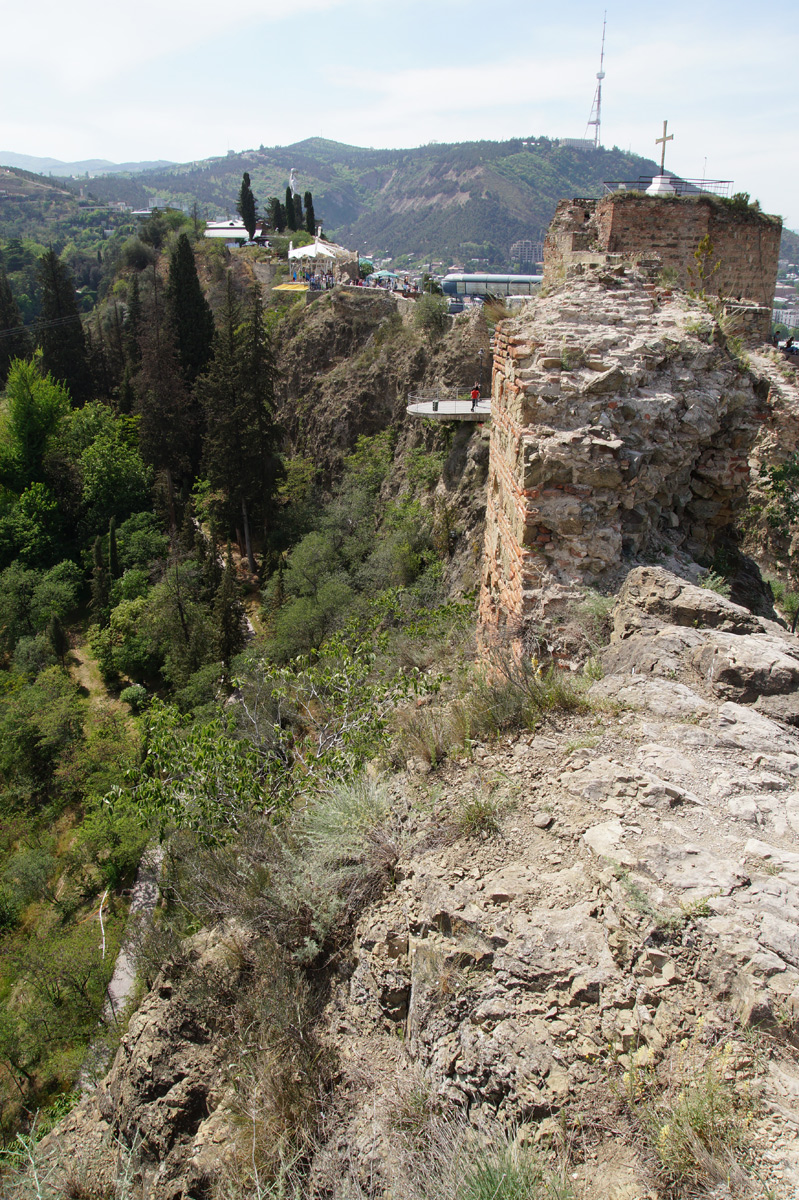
(596, 109)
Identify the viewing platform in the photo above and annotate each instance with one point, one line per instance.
(443, 405)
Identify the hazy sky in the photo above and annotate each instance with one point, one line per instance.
(186, 79)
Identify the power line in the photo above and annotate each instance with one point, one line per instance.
(54, 324)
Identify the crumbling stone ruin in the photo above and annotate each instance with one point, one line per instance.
(741, 256)
(619, 416)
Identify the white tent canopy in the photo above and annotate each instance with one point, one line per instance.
(322, 250)
(316, 251)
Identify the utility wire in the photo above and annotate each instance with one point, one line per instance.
(54, 324)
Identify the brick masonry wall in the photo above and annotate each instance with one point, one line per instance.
(745, 245)
(617, 417)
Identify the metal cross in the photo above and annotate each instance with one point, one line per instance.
(664, 139)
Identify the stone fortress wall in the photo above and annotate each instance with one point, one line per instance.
(745, 243)
(618, 413)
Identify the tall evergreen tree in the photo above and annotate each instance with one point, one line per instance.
(238, 396)
(298, 218)
(101, 584)
(189, 312)
(291, 217)
(133, 322)
(113, 552)
(168, 427)
(59, 329)
(58, 638)
(246, 206)
(229, 614)
(14, 340)
(310, 219)
(276, 214)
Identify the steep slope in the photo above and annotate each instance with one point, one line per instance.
(623, 932)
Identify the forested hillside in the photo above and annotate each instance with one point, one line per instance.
(171, 532)
(449, 202)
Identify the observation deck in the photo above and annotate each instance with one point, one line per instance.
(443, 404)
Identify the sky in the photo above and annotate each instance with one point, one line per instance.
(190, 79)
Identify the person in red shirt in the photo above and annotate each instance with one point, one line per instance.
(475, 396)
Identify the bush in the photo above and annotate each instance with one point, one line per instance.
(136, 696)
(694, 1121)
(430, 314)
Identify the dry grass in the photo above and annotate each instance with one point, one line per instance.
(693, 1119)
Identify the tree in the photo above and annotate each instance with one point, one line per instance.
(276, 214)
(238, 396)
(168, 427)
(14, 340)
(229, 614)
(59, 330)
(113, 554)
(291, 216)
(310, 219)
(189, 312)
(298, 219)
(246, 206)
(133, 321)
(34, 409)
(101, 584)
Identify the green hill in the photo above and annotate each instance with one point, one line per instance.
(448, 201)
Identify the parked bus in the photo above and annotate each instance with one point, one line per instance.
(461, 284)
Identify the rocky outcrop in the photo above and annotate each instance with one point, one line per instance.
(160, 1118)
(641, 888)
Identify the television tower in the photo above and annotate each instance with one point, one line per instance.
(596, 110)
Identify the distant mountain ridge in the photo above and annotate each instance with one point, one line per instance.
(54, 166)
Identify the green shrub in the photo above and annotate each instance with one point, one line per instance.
(430, 314)
(136, 696)
(713, 582)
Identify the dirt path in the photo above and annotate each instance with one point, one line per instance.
(85, 672)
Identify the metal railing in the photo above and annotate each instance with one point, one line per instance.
(682, 187)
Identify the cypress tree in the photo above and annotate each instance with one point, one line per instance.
(229, 614)
(238, 395)
(298, 219)
(59, 329)
(169, 423)
(189, 313)
(133, 320)
(12, 345)
(101, 589)
(291, 219)
(113, 554)
(246, 206)
(58, 639)
(310, 219)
